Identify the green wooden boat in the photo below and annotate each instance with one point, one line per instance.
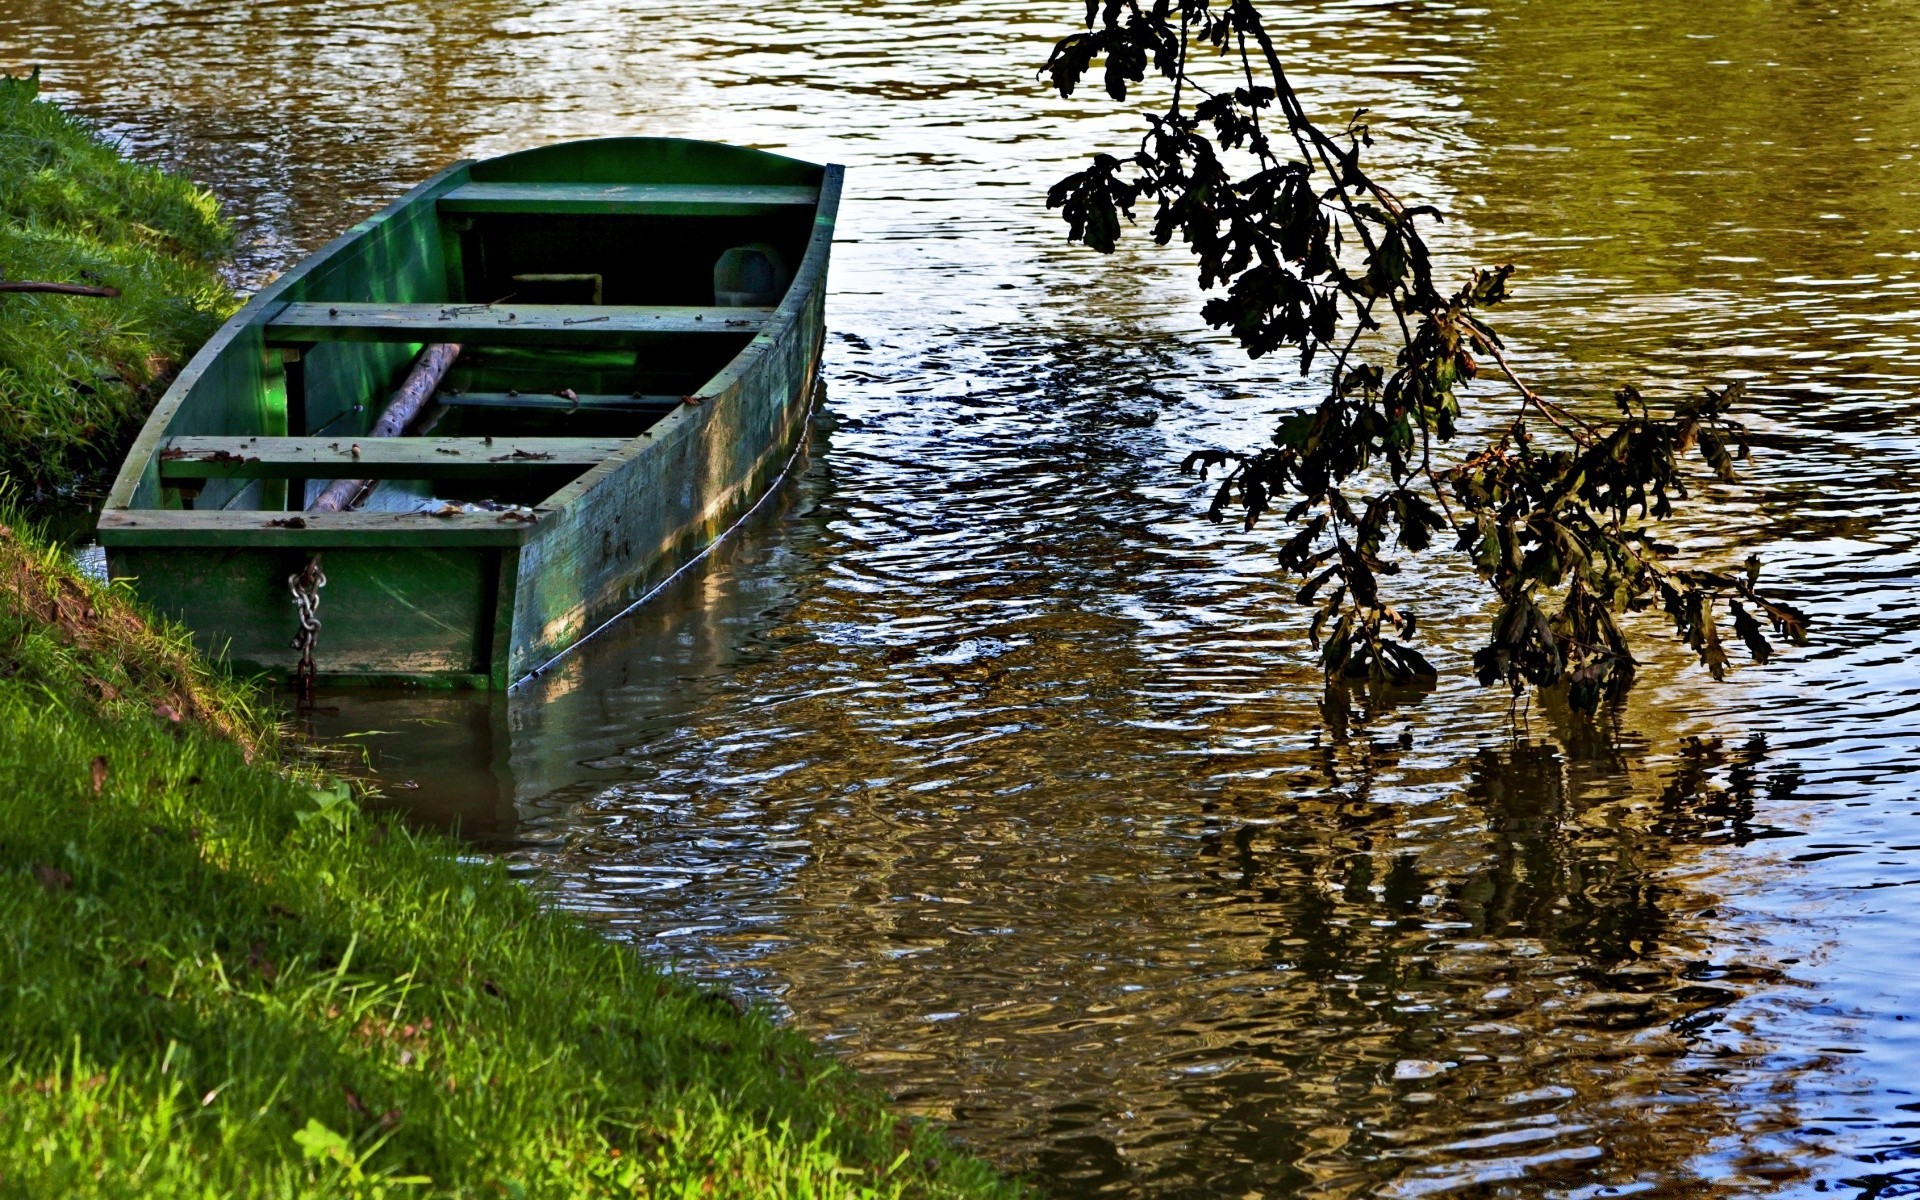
(640, 323)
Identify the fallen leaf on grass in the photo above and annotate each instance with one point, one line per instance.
(99, 773)
(321, 1144)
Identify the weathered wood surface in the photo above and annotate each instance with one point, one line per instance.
(260, 527)
(462, 599)
(236, 385)
(596, 401)
(626, 525)
(423, 379)
(630, 199)
(383, 458)
(419, 613)
(504, 324)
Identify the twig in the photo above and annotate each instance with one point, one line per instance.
(58, 289)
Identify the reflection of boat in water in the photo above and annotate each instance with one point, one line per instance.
(610, 345)
(534, 766)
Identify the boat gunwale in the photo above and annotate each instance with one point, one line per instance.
(809, 275)
(251, 314)
(119, 526)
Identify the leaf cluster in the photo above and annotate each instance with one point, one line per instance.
(1306, 252)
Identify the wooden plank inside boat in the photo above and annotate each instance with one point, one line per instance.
(265, 528)
(375, 458)
(643, 199)
(502, 325)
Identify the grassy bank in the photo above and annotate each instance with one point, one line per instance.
(77, 374)
(219, 978)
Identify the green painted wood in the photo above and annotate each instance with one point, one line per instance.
(398, 260)
(628, 199)
(225, 388)
(172, 527)
(669, 369)
(375, 458)
(623, 527)
(499, 645)
(503, 325)
(597, 401)
(277, 388)
(453, 254)
(241, 610)
(645, 160)
(479, 599)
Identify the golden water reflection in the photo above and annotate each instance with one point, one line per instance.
(988, 760)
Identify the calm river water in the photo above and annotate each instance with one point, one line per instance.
(987, 759)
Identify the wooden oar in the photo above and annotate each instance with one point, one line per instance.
(421, 383)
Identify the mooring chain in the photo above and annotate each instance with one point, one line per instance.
(305, 584)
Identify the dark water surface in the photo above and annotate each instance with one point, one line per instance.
(1003, 772)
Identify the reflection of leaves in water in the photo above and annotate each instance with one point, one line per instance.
(1692, 806)
(1551, 963)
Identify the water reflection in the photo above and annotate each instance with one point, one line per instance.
(1329, 969)
(1000, 770)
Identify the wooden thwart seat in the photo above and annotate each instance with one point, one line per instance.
(374, 458)
(627, 199)
(226, 529)
(503, 324)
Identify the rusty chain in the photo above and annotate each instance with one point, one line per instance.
(305, 584)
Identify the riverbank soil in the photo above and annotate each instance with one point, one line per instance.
(79, 373)
(218, 977)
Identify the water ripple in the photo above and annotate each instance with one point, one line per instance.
(1003, 772)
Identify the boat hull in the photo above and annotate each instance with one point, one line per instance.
(471, 600)
(648, 515)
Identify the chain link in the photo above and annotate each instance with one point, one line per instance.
(305, 584)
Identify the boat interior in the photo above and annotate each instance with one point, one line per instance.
(593, 288)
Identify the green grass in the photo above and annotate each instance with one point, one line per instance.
(77, 374)
(219, 977)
